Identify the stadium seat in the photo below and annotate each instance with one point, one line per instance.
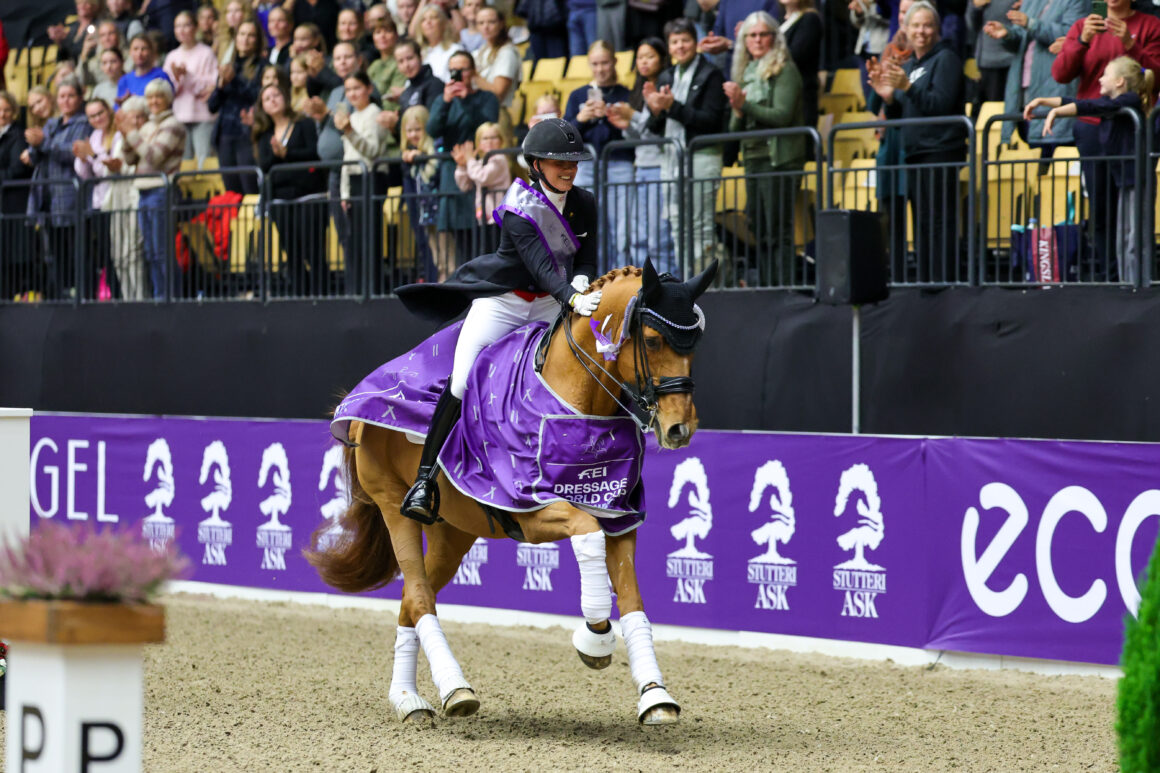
(624, 62)
(549, 70)
(1012, 184)
(855, 143)
(971, 69)
(857, 186)
(533, 90)
(857, 116)
(1059, 184)
(335, 256)
(526, 66)
(846, 81)
(839, 104)
(568, 85)
(578, 67)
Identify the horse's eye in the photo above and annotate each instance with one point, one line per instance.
(652, 343)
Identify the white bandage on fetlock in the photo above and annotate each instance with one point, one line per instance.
(595, 591)
(404, 693)
(445, 671)
(642, 657)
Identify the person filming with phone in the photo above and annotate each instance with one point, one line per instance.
(1112, 30)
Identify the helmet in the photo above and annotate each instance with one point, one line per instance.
(557, 140)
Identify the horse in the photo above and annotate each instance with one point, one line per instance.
(635, 343)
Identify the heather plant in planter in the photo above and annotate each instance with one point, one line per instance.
(1138, 703)
(81, 563)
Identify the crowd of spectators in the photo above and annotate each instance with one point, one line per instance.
(429, 88)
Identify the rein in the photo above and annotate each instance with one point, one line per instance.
(647, 390)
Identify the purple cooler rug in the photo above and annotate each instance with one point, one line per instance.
(517, 445)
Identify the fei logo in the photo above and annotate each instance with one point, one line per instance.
(214, 532)
(468, 572)
(859, 580)
(690, 567)
(771, 572)
(333, 508)
(538, 562)
(274, 537)
(157, 527)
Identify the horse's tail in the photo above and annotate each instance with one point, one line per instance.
(362, 557)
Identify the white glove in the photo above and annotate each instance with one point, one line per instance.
(579, 283)
(585, 304)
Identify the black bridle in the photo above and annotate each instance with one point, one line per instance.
(647, 391)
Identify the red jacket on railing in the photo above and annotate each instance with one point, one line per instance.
(220, 212)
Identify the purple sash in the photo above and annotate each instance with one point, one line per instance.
(524, 200)
(518, 446)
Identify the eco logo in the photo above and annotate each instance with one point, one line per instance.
(157, 527)
(538, 562)
(468, 572)
(859, 580)
(274, 537)
(333, 508)
(690, 567)
(214, 532)
(772, 573)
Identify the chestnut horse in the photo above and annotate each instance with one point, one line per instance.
(379, 541)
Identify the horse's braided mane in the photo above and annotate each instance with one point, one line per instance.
(613, 275)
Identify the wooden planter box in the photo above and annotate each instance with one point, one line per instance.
(75, 683)
(78, 622)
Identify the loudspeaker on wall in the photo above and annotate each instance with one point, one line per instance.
(852, 258)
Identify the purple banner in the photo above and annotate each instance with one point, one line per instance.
(1006, 547)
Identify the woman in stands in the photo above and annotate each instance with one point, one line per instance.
(498, 61)
(281, 136)
(193, 68)
(237, 11)
(766, 93)
(233, 100)
(384, 71)
(99, 156)
(929, 85)
(802, 29)
(157, 146)
(16, 251)
(439, 40)
(50, 153)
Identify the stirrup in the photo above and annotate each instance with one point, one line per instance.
(422, 501)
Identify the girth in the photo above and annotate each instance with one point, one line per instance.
(507, 522)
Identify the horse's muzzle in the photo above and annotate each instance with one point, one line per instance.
(677, 436)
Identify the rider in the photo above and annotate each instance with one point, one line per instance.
(547, 252)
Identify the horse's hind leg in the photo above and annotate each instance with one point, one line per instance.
(418, 605)
(655, 706)
(446, 547)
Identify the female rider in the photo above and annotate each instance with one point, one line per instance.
(547, 237)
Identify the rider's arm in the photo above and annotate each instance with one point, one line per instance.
(536, 257)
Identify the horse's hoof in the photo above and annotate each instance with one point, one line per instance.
(594, 649)
(461, 703)
(413, 708)
(420, 717)
(657, 707)
(596, 663)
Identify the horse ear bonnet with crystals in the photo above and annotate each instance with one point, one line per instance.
(667, 305)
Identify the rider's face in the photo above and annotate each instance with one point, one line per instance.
(561, 175)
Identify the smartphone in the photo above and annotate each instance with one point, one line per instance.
(594, 94)
(1100, 8)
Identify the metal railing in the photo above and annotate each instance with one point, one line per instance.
(387, 231)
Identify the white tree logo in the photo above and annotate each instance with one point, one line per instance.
(868, 533)
(276, 466)
(333, 508)
(217, 459)
(782, 523)
(161, 497)
(697, 526)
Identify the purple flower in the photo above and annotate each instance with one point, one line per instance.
(80, 562)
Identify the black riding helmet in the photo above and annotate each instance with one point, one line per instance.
(557, 140)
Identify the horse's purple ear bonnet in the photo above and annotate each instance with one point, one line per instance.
(668, 306)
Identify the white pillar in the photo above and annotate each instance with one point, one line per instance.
(14, 473)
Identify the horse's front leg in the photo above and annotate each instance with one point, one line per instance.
(595, 639)
(655, 706)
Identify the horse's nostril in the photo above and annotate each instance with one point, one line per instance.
(678, 432)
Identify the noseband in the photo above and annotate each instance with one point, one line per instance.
(647, 391)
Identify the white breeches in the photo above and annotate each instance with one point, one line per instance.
(489, 320)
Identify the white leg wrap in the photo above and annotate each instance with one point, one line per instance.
(595, 591)
(595, 645)
(445, 671)
(404, 694)
(642, 658)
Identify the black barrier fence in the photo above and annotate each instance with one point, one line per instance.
(929, 200)
(994, 213)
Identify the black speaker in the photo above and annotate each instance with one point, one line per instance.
(852, 259)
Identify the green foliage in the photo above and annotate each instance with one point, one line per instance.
(1138, 704)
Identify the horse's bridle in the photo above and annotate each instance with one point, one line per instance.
(647, 391)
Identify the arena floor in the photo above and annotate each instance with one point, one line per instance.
(252, 686)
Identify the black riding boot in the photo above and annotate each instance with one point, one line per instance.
(422, 501)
